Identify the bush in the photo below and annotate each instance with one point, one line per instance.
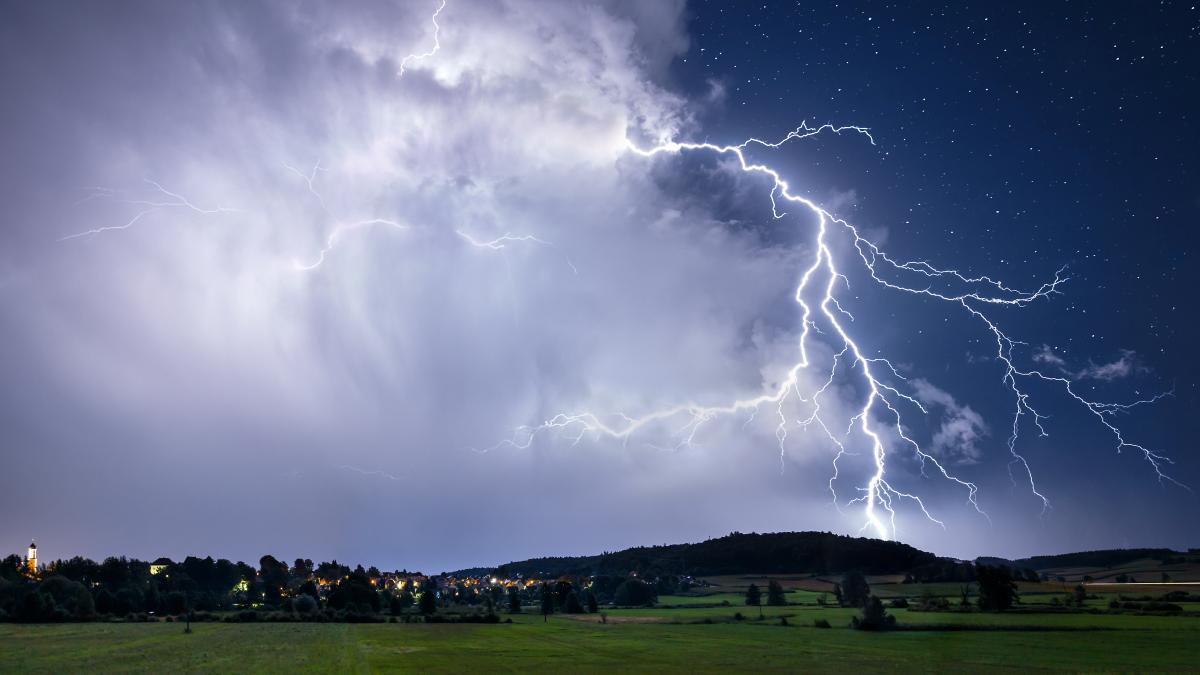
(633, 592)
(874, 617)
(932, 603)
(305, 605)
(899, 603)
(572, 605)
(821, 623)
(1153, 606)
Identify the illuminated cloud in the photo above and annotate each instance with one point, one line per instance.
(1045, 354)
(1124, 366)
(961, 428)
(330, 252)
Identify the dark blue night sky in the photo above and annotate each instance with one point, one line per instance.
(1012, 140)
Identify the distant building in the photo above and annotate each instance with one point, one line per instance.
(31, 559)
(161, 565)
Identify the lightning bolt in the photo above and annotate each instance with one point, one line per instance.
(500, 243)
(880, 412)
(340, 230)
(437, 44)
(365, 472)
(176, 201)
(309, 178)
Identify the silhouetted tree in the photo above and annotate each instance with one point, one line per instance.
(754, 598)
(305, 605)
(105, 601)
(1079, 595)
(514, 600)
(302, 569)
(634, 592)
(128, 600)
(562, 588)
(775, 594)
(175, 602)
(548, 601)
(70, 596)
(855, 590)
(332, 571)
(150, 597)
(997, 591)
(32, 607)
(273, 577)
(11, 568)
(572, 605)
(874, 616)
(428, 603)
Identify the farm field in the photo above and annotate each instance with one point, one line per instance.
(643, 640)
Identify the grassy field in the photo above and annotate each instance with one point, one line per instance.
(656, 639)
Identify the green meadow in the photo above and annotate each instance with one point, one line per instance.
(684, 633)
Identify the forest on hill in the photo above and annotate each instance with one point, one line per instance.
(738, 553)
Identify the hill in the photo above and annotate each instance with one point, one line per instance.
(1101, 558)
(737, 553)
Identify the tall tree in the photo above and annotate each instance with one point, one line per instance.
(514, 600)
(997, 591)
(854, 589)
(775, 594)
(428, 603)
(874, 616)
(572, 605)
(754, 598)
(634, 592)
(548, 601)
(273, 576)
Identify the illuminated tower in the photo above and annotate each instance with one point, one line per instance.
(31, 559)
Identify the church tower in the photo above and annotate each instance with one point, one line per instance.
(31, 559)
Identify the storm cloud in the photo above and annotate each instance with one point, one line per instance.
(261, 292)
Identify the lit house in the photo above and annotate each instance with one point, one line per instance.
(161, 565)
(31, 559)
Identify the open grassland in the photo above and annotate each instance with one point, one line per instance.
(655, 639)
(1146, 570)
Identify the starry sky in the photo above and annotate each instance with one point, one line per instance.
(309, 278)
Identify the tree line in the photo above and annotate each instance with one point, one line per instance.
(81, 589)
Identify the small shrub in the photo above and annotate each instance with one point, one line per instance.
(783, 621)
(305, 604)
(874, 617)
(737, 616)
(821, 623)
(899, 603)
